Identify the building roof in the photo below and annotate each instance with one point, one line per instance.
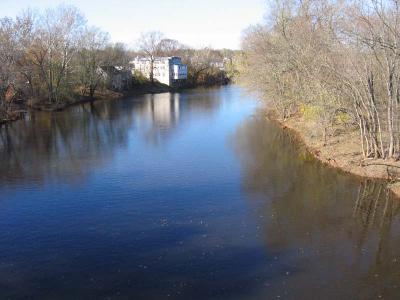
(146, 59)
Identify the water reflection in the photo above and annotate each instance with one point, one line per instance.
(67, 145)
(376, 213)
(338, 233)
(185, 196)
(63, 145)
(163, 111)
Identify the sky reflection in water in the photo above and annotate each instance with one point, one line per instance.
(185, 196)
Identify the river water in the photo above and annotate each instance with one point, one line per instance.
(193, 195)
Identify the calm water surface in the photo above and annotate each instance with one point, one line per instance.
(185, 196)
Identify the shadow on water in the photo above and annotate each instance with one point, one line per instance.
(340, 231)
(67, 145)
(179, 198)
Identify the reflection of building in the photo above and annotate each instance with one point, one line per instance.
(167, 70)
(164, 109)
(159, 116)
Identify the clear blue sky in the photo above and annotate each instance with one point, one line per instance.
(216, 23)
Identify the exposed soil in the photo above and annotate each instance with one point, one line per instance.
(342, 151)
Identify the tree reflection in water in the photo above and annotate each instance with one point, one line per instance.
(274, 222)
(338, 232)
(66, 145)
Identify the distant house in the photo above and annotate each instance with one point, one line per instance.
(166, 70)
(117, 78)
(221, 64)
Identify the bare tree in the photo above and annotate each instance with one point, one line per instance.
(323, 58)
(56, 42)
(115, 55)
(150, 44)
(91, 57)
(200, 63)
(8, 48)
(170, 47)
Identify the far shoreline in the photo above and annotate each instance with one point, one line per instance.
(103, 95)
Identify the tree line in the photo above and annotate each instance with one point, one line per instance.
(53, 56)
(206, 66)
(333, 60)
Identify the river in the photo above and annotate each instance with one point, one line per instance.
(192, 195)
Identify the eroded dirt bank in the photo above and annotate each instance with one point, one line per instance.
(342, 151)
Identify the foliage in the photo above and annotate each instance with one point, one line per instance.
(321, 57)
(49, 55)
(139, 79)
(52, 57)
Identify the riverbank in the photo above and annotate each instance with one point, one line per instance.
(101, 95)
(11, 117)
(342, 151)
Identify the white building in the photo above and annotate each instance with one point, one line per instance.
(166, 70)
